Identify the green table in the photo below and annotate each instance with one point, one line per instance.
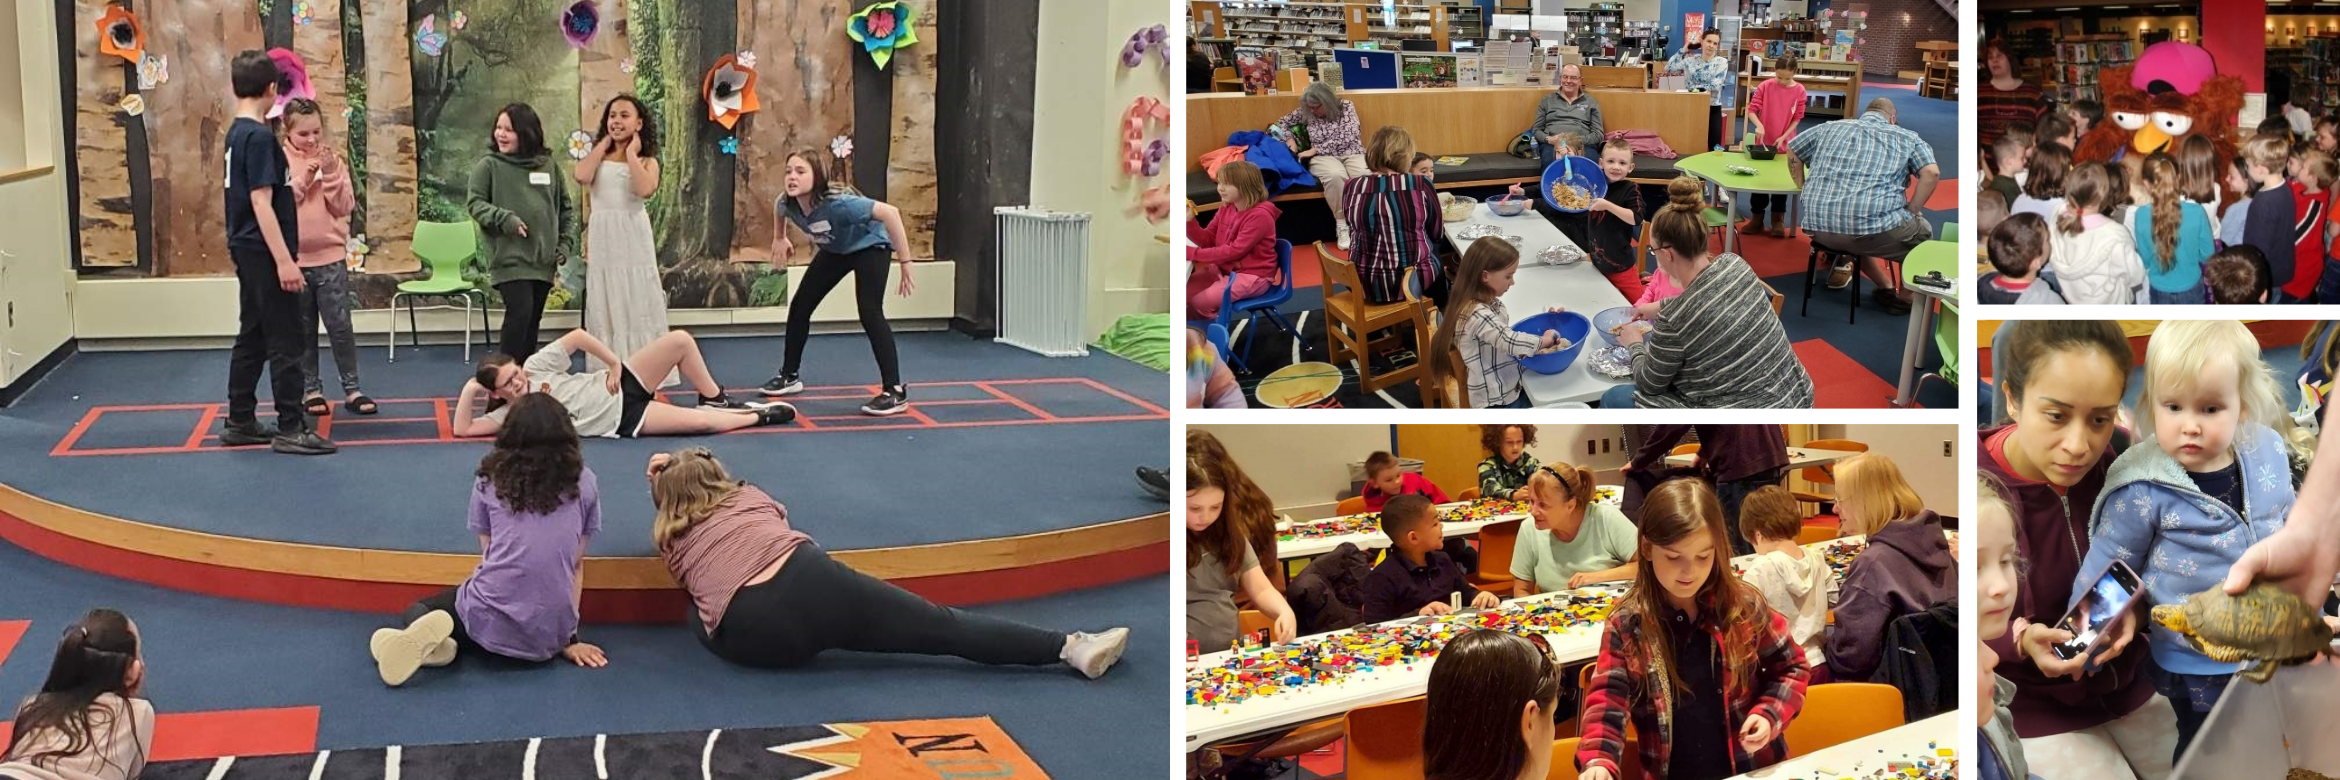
(1931, 256)
(1771, 177)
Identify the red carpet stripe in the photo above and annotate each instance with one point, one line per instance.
(261, 732)
(1945, 198)
(11, 631)
(1840, 382)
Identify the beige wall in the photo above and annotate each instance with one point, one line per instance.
(1917, 449)
(35, 259)
(1080, 92)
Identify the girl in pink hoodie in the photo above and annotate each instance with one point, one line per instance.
(1774, 111)
(1238, 250)
(323, 196)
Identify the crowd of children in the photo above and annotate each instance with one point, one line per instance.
(1711, 649)
(2168, 227)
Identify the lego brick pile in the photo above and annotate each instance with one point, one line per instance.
(1938, 763)
(1370, 522)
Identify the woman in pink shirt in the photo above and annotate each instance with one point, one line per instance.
(1774, 111)
(765, 595)
(324, 198)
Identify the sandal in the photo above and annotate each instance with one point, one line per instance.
(316, 406)
(362, 405)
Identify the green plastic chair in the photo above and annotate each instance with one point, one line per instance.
(443, 247)
(1946, 340)
(1950, 231)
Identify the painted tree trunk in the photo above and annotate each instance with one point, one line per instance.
(805, 78)
(187, 119)
(319, 44)
(109, 233)
(390, 149)
(693, 204)
(910, 181)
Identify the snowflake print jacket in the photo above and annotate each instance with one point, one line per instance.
(2180, 540)
(1625, 677)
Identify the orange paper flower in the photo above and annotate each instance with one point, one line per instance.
(120, 34)
(730, 90)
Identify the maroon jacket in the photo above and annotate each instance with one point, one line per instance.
(1238, 241)
(2052, 534)
(1728, 453)
(1906, 568)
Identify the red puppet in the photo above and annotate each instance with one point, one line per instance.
(2172, 91)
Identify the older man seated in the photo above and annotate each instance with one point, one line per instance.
(1856, 176)
(1570, 111)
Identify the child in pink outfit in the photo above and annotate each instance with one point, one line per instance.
(1774, 111)
(1659, 288)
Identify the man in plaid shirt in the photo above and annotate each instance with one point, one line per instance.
(1855, 175)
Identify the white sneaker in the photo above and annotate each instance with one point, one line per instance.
(1095, 653)
(442, 655)
(1343, 240)
(398, 652)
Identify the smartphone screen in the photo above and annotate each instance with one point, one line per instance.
(2105, 600)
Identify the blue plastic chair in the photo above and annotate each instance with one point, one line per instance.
(1266, 303)
(1222, 325)
(1217, 336)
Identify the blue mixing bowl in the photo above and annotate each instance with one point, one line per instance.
(1572, 326)
(1609, 319)
(1579, 171)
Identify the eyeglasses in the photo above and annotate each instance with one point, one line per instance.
(1551, 657)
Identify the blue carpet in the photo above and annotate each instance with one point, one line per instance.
(206, 654)
(850, 489)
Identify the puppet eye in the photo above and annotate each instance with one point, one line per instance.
(2173, 124)
(2129, 121)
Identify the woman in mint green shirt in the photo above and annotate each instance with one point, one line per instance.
(1574, 542)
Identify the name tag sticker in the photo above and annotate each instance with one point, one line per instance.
(818, 227)
(540, 179)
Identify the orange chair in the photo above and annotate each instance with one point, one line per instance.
(1686, 449)
(1468, 494)
(1583, 685)
(1836, 713)
(1815, 534)
(1351, 323)
(1824, 475)
(1385, 740)
(1564, 760)
(1352, 505)
(1495, 543)
(1251, 621)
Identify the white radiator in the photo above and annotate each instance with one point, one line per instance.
(1043, 280)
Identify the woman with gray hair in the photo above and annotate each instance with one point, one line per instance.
(1336, 150)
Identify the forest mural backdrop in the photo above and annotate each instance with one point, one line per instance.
(410, 89)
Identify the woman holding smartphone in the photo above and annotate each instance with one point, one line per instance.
(2090, 715)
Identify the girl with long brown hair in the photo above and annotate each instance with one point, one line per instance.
(1491, 697)
(1220, 555)
(1707, 672)
(854, 235)
(2173, 235)
(764, 594)
(1479, 326)
(91, 719)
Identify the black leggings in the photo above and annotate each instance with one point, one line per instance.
(815, 603)
(444, 601)
(523, 313)
(868, 268)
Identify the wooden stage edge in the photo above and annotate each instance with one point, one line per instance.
(631, 589)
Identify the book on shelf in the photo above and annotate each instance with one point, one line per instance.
(1257, 67)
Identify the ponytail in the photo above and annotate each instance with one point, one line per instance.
(2088, 188)
(2162, 185)
(1678, 225)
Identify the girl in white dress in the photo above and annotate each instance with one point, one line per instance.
(625, 303)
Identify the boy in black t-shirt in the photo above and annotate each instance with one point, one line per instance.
(261, 230)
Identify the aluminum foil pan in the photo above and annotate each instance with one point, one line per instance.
(1476, 231)
(1611, 362)
(1559, 255)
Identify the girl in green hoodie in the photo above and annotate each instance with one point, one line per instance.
(523, 209)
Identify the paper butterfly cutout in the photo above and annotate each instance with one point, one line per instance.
(428, 38)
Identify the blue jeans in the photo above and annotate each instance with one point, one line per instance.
(2199, 293)
(2328, 286)
(1619, 397)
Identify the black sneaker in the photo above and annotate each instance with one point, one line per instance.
(895, 400)
(774, 413)
(303, 443)
(1155, 481)
(244, 434)
(780, 385)
(720, 402)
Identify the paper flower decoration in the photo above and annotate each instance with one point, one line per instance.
(428, 38)
(580, 143)
(626, 65)
(302, 13)
(747, 59)
(581, 22)
(457, 20)
(292, 80)
(730, 90)
(881, 28)
(841, 147)
(153, 71)
(729, 145)
(358, 251)
(119, 34)
(133, 104)
(1137, 159)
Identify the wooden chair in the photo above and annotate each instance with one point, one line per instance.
(1448, 393)
(1300, 740)
(1385, 740)
(1495, 545)
(1351, 323)
(1583, 684)
(1824, 475)
(1836, 713)
(1350, 506)
(1467, 494)
(1564, 760)
(1815, 534)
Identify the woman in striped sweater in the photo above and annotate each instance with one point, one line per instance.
(1718, 345)
(2006, 99)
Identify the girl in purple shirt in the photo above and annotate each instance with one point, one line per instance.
(534, 506)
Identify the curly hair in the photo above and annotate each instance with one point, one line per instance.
(1491, 437)
(537, 461)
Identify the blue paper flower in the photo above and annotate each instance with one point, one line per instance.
(730, 145)
(881, 28)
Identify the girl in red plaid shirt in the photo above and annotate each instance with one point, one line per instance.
(1708, 672)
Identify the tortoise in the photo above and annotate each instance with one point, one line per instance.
(2266, 625)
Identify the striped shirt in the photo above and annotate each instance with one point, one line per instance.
(1394, 222)
(1998, 109)
(1337, 136)
(1857, 174)
(1701, 71)
(1490, 353)
(1719, 346)
(717, 556)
